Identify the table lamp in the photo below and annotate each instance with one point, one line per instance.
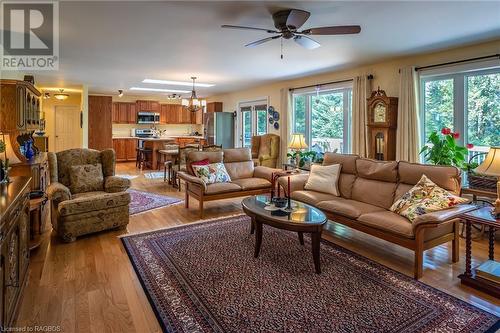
(297, 143)
(491, 167)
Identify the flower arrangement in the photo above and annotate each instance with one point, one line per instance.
(442, 149)
(306, 156)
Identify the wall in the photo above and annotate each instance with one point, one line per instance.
(385, 74)
(48, 108)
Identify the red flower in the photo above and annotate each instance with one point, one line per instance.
(455, 135)
(470, 146)
(445, 131)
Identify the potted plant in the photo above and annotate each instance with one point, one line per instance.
(442, 149)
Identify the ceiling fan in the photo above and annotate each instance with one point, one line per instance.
(288, 21)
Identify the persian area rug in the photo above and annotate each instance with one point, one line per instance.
(127, 176)
(143, 201)
(203, 278)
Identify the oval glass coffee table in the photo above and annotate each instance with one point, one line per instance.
(303, 218)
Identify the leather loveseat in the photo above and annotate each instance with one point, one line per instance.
(368, 188)
(245, 178)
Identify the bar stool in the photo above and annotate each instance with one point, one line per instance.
(168, 157)
(142, 157)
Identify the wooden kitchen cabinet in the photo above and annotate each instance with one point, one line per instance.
(120, 149)
(132, 113)
(197, 117)
(115, 113)
(214, 107)
(124, 113)
(143, 105)
(125, 149)
(130, 149)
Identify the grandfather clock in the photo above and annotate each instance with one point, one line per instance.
(382, 125)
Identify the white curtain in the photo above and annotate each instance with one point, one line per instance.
(285, 121)
(360, 92)
(407, 137)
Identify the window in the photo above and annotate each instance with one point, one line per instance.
(324, 118)
(253, 120)
(468, 102)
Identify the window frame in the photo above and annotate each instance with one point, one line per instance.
(347, 113)
(460, 99)
(253, 117)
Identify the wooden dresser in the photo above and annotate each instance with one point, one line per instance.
(14, 250)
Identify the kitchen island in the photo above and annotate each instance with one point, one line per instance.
(125, 146)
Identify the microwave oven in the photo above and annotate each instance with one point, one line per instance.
(148, 118)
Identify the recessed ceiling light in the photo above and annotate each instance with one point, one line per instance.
(178, 83)
(160, 90)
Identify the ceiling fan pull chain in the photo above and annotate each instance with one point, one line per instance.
(281, 41)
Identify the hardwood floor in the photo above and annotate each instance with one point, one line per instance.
(90, 285)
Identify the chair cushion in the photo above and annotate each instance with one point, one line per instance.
(425, 197)
(86, 178)
(388, 221)
(252, 183)
(311, 197)
(92, 201)
(218, 188)
(324, 179)
(348, 208)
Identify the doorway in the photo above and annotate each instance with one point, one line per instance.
(253, 120)
(67, 127)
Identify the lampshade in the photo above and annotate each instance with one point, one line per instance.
(297, 141)
(9, 151)
(491, 164)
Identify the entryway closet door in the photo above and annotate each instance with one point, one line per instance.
(67, 127)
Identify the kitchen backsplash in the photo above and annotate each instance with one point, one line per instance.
(177, 129)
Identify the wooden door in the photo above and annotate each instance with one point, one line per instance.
(67, 127)
(120, 149)
(100, 125)
(123, 113)
(115, 113)
(130, 147)
(132, 113)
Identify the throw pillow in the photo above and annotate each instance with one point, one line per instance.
(212, 173)
(324, 179)
(206, 161)
(86, 178)
(425, 197)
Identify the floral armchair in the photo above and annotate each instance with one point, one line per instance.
(86, 196)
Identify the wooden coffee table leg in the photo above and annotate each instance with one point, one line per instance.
(468, 248)
(252, 226)
(301, 238)
(258, 237)
(316, 238)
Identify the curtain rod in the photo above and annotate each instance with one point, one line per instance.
(458, 62)
(369, 77)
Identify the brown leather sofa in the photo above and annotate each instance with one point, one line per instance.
(368, 188)
(245, 178)
(265, 150)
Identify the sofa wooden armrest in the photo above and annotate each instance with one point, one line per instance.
(192, 179)
(442, 215)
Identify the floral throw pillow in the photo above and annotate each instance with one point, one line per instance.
(425, 197)
(212, 173)
(86, 178)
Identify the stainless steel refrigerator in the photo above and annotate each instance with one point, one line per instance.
(219, 128)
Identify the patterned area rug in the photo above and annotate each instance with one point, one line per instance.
(144, 201)
(203, 278)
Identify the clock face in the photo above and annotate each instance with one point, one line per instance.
(379, 113)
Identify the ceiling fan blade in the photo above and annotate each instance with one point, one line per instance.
(296, 18)
(337, 30)
(306, 42)
(227, 26)
(262, 41)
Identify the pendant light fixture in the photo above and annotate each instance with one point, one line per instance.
(193, 104)
(61, 95)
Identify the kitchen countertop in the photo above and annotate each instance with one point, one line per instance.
(168, 137)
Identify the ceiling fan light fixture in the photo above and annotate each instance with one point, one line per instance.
(61, 95)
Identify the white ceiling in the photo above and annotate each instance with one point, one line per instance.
(115, 45)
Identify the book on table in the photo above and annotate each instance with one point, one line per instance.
(489, 270)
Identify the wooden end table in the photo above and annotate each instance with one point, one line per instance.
(302, 219)
(481, 216)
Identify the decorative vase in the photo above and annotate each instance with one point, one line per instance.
(28, 150)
